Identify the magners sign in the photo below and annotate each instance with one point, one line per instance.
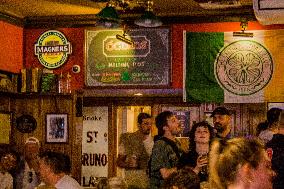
(52, 49)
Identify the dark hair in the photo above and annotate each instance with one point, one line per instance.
(183, 178)
(273, 115)
(220, 111)
(142, 116)
(162, 120)
(261, 127)
(205, 124)
(227, 155)
(58, 162)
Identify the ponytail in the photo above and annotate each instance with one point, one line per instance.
(214, 154)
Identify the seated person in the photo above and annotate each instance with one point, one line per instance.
(8, 161)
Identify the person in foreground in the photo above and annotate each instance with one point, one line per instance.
(54, 168)
(182, 179)
(239, 163)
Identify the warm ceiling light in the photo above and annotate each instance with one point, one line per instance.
(138, 94)
(148, 19)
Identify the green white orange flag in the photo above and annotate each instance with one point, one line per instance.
(222, 68)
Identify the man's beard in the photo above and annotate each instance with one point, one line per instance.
(146, 132)
(219, 128)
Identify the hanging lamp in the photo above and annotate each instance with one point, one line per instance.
(148, 18)
(108, 17)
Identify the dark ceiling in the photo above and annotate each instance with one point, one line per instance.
(72, 13)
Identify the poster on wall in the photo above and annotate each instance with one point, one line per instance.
(94, 146)
(183, 117)
(113, 62)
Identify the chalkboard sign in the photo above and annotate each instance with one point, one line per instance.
(112, 62)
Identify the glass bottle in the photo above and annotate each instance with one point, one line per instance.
(68, 83)
(61, 83)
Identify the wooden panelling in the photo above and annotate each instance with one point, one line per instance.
(38, 106)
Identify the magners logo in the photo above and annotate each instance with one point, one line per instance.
(52, 49)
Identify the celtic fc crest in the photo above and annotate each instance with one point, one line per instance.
(243, 67)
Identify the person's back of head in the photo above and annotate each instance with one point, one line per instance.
(182, 179)
(273, 116)
(262, 126)
(116, 183)
(226, 157)
(58, 162)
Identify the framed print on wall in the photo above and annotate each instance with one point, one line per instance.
(56, 128)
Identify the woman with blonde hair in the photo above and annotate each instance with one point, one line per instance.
(239, 163)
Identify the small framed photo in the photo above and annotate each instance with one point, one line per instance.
(56, 128)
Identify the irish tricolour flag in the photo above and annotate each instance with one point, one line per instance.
(222, 68)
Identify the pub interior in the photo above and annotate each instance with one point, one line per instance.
(60, 65)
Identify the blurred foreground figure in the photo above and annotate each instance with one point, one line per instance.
(54, 168)
(239, 163)
(182, 179)
(7, 163)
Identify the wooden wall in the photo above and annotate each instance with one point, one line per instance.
(38, 106)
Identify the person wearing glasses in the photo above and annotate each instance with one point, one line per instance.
(27, 176)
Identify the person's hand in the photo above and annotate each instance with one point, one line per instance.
(132, 161)
(201, 161)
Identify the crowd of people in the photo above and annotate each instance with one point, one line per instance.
(214, 160)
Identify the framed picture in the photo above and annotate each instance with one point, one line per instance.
(112, 62)
(5, 127)
(56, 128)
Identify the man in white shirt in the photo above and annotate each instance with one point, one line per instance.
(134, 153)
(54, 168)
